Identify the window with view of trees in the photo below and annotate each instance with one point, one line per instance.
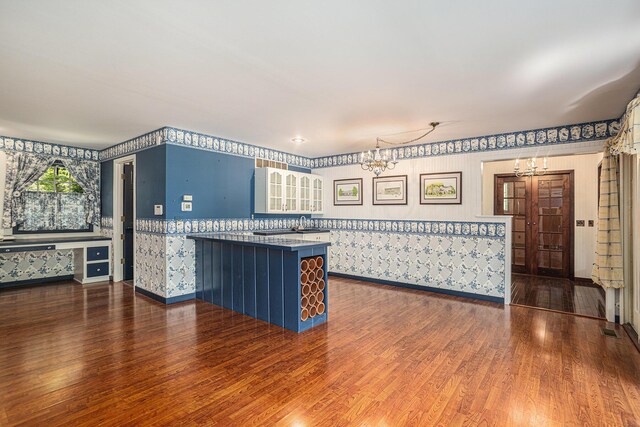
(56, 179)
(54, 203)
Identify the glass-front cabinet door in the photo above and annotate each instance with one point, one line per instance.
(291, 192)
(317, 205)
(305, 194)
(275, 191)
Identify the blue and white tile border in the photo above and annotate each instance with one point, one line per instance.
(582, 132)
(174, 136)
(212, 225)
(133, 145)
(29, 146)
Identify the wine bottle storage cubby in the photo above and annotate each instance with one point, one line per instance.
(312, 284)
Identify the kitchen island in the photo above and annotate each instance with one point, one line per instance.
(279, 280)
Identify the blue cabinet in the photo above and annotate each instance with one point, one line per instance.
(271, 283)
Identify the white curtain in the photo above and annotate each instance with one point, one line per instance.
(608, 268)
(627, 141)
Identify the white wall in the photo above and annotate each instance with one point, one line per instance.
(469, 164)
(585, 169)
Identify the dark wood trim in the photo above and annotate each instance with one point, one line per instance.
(165, 300)
(468, 295)
(532, 225)
(43, 281)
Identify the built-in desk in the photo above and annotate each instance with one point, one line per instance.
(276, 279)
(92, 261)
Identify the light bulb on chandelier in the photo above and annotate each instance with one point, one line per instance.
(381, 160)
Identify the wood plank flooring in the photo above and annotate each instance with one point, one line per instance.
(100, 355)
(558, 294)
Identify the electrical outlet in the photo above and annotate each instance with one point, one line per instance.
(580, 223)
(186, 206)
(157, 209)
(590, 223)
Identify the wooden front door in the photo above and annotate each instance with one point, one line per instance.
(542, 232)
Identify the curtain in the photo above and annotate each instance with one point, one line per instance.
(627, 141)
(23, 169)
(54, 211)
(87, 174)
(608, 266)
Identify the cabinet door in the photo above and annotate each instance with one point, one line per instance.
(276, 203)
(291, 192)
(317, 205)
(305, 194)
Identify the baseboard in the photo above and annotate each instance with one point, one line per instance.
(164, 300)
(42, 280)
(422, 288)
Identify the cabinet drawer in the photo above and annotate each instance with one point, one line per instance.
(28, 248)
(97, 253)
(98, 269)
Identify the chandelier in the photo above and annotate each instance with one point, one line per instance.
(532, 168)
(380, 160)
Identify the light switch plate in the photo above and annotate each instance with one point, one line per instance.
(187, 198)
(186, 206)
(157, 209)
(580, 223)
(590, 223)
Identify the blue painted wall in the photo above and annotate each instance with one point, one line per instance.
(222, 185)
(151, 165)
(106, 188)
(151, 176)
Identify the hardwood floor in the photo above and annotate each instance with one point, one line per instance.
(74, 355)
(558, 294)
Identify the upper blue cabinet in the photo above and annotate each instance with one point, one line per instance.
(281, 191)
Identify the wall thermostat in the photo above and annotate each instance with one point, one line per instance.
(186, 206)
(187, 198)
(157, 209)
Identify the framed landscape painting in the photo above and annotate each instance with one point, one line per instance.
(347, 192)
(441, 188)
(390, 190)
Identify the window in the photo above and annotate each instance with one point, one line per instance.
(56, 179)
(54, 203)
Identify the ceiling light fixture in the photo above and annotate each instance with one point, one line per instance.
(532, 168)
(379, 161)
(298, 140)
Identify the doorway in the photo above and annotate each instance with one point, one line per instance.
(127, 222)
(542, 210)
(124, 212)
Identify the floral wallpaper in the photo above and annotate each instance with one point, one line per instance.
(20, 266)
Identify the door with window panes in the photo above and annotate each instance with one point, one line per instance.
(542, 228)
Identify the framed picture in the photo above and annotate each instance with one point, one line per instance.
(347, 192)
(390, 190)
(441, 188)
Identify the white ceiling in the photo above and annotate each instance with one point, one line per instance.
(339, 73)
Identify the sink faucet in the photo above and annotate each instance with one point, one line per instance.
(303, 220)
